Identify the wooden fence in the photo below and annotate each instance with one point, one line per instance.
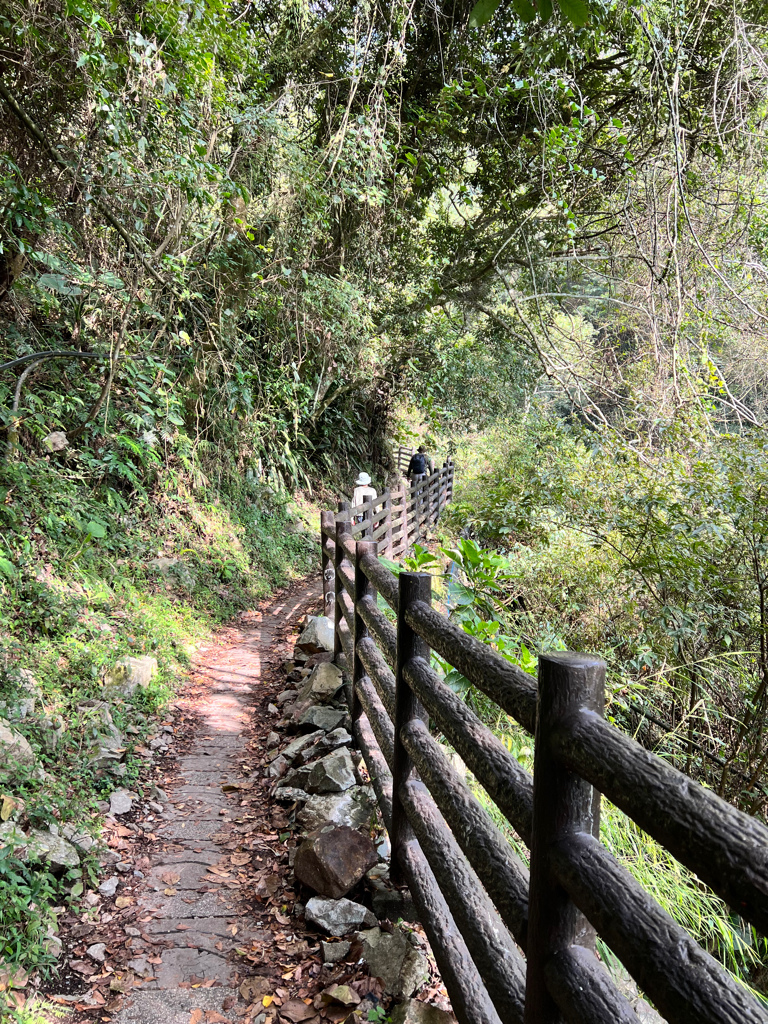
(515, 947)
(404, 453)
(396, 519)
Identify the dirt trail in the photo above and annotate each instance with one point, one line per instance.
(190, 904)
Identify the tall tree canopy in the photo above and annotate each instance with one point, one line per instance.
(267, 218)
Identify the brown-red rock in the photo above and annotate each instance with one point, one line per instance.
(333, 859)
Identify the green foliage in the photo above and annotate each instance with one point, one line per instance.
(27, 892)
(575, 11)
(94, 579)
(655, 559)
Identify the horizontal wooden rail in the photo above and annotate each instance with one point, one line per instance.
(507, 685)
(479, 904)
(381, 676)
(380, 626)
(473, 911)
(506, 781)
(726, 848)
(685, 982)
(502, 873)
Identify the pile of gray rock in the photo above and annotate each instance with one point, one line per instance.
(316, 769)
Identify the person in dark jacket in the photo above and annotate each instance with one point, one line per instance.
(420, 463)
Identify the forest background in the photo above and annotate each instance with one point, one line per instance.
(246, 248)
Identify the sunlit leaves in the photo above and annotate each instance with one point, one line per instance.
(575, 11)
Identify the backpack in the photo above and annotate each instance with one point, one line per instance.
(418, 464)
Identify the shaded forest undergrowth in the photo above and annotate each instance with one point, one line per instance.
(87, 580)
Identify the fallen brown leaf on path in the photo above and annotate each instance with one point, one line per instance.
(296, 1011)
(196, 1016)
(255, 988)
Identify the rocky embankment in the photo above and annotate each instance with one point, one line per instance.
(342, 857)
(70, 848)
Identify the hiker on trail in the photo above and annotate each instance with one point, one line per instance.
(420, 463)
(362, 492)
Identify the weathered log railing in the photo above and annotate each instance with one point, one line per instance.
(396, 519)
(512, 947)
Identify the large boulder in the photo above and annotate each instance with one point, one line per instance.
(337, 917)
(121, 802)
(318, 635)
(37, 844)
(294, 748)
(334, 773)
(14, 748)
(355, 808)
(414, 1012)
(323, 743)
(107, 759)
(290, 795)
(56, 441)
(318, 717)
(333, 859)
(391, 957)
(322, 683)
(107, 744)
(57, 851)
(104, 732)
(82, 840)
(296, 779)
(128, 674)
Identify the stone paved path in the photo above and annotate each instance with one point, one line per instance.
(203, 927)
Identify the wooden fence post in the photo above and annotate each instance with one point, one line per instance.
(342, 529)
(445, 478)
(363, 588)
(404, 518)
(388, 520)
(412, 586)
(418, 498)
(563, 803)
(329, 572)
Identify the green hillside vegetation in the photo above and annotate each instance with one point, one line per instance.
(247, 248)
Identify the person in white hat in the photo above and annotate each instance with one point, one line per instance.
(362, 492)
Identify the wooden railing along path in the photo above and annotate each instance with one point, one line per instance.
(513, 947)
(396, 519)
